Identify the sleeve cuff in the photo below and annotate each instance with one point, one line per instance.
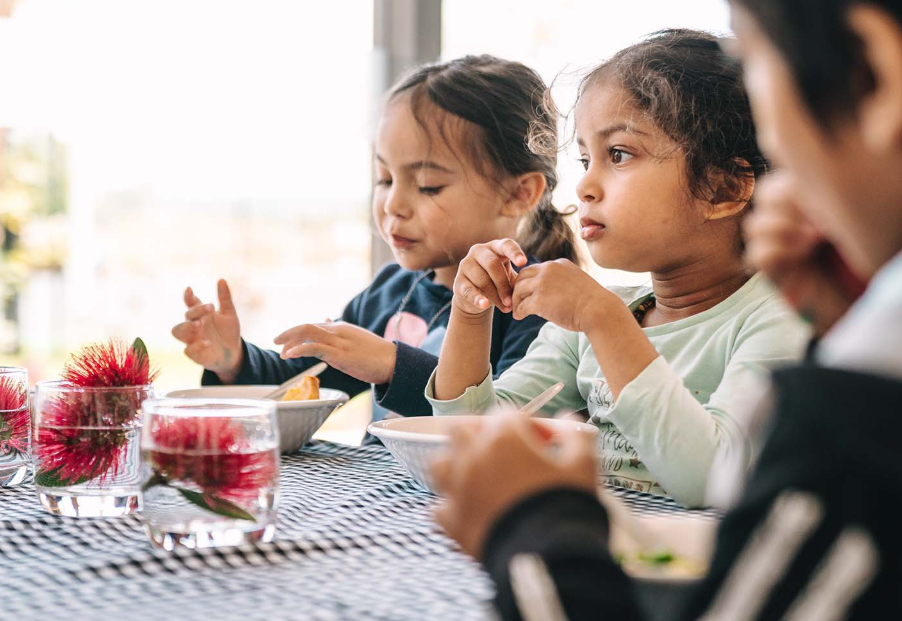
(532, 524)
(413, 367)
(475, 399)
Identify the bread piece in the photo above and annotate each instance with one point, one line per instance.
(306, 389)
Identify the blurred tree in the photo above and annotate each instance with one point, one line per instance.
(33, 199)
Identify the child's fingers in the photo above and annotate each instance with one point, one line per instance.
(443, 516)
(197, 351)
(226, 306)
(187, 331)
(309, 350)
(799, 236)
(497, 273)
(476, 273)
(510, 249)
(199, 312)
(305, 332)
(475, 287)
(523, 292)
(190, 298)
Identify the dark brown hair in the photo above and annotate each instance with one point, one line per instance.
(503, 100)
(693, 92)
(823, 54)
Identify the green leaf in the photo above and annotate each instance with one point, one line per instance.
(50, 478)
(217, 505)
(140, 349)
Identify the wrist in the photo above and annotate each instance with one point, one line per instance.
(598, 314)
(466, 317)
(228, 375)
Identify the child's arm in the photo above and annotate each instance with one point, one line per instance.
(565, 295)
(262, 366)
(259, 366)
(485, 278)
(677, 436)
(552, 357)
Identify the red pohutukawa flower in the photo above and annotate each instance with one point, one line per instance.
(214, 455)
(15, 420)
(109, 365)
(82, 434)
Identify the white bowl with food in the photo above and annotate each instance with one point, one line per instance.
(298, 419)
(660, 549)
(416, 441)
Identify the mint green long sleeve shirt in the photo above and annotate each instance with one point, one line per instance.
(662, 433)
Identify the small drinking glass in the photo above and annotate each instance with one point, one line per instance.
(85, 448)
(15, 425)
(213, 471)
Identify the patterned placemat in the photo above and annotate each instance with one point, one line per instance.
(355, 539)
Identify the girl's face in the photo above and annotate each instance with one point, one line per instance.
(430, 205)
(850, 194)
(636, 212)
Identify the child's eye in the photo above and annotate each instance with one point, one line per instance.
(585, 162)
(383, 182)
(431, 190)
(619, 156)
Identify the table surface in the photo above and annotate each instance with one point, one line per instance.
(355, 539)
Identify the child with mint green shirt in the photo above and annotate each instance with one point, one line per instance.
(671, 160)
(679, 409)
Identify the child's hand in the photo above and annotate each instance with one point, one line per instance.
(486, 277)
(344, 346)
(521, 465)
(560, 292)
(213, 338)
(783, 244)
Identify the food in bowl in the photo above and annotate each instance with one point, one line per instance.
(662, 564)
(307, 389)
(661, 548)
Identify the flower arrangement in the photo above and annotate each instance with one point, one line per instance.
(82, 432)
(15, 420)
(214, 456)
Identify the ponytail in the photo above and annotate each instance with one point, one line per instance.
(547, 235)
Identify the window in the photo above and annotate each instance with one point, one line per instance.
(147, 146)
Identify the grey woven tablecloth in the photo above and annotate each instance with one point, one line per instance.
(354, 540)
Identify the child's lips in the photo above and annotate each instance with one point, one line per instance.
(590, 229)
(402, 243)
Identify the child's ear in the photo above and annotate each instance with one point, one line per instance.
(526, 192)
(733, 193)
(880, 108)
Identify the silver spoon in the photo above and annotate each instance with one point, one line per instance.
(544, 397)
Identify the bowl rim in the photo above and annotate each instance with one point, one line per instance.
(381, 430)
(340, 397)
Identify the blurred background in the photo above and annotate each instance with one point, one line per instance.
(147, 145)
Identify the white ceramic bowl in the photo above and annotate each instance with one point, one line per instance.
(416, 441)
(298, 420)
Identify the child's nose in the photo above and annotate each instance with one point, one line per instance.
(395, 205)
(588, 189)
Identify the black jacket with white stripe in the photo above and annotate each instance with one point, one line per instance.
(817, 533)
